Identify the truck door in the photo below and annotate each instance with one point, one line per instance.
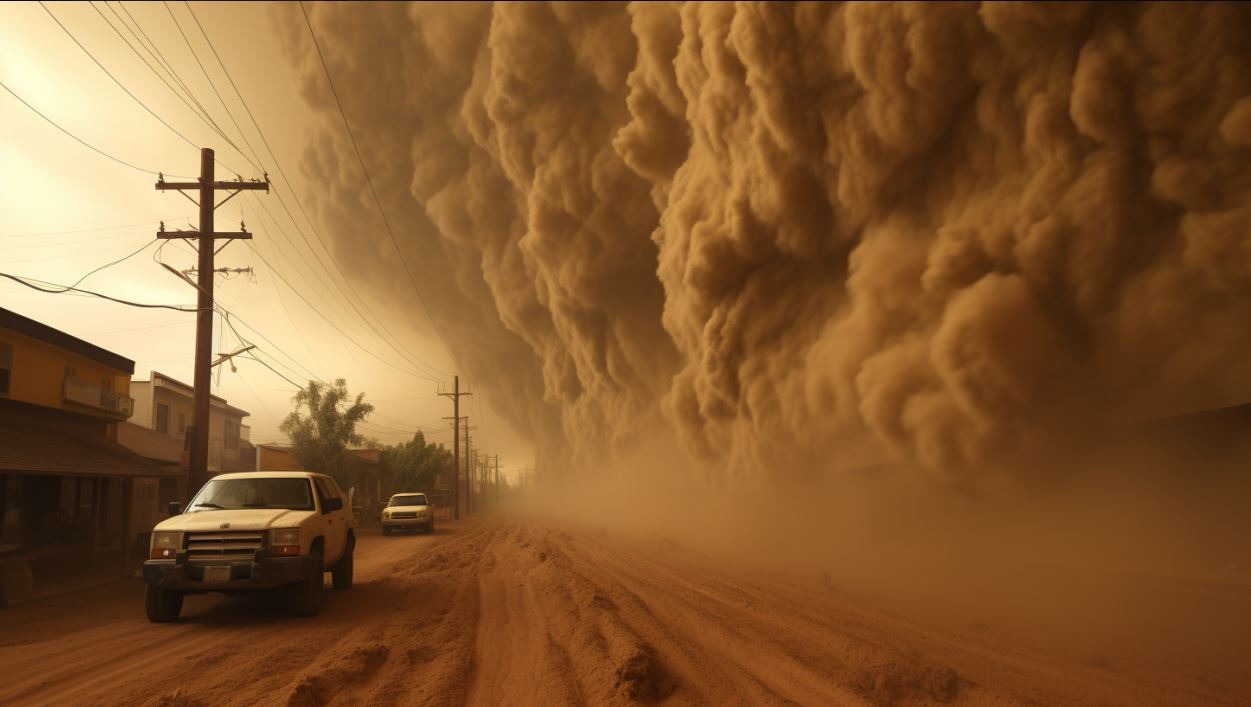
(332, 522)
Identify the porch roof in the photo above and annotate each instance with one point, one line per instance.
(38, 450)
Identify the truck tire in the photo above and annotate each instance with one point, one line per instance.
(386, 530)
(162, 605)
(306, 595)
(341, 573)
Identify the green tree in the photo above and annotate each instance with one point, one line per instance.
(415, 464)
(323, 426)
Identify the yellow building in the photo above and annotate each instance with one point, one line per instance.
(67, 488)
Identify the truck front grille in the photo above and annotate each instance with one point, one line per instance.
(223, 546)
(403, 515)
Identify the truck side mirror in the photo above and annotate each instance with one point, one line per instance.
(175, 508)
(334, 504)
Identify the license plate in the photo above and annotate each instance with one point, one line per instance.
(216, 575)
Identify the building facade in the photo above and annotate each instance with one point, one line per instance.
(67, 487)
(163, 413)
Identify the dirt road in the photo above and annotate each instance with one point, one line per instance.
(511, 611)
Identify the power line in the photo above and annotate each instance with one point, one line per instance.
(80, 141)
(13, 236)
(369, 180)
(231, 318)
(200, 112)
(115, 262)
(195, 55)
(418, 364)
(62, 289)
(392, 342)
(86, 51)
(287, 368)
(128, 92)
(112, 250)
(275, 372)
(332, 324)
(198, 109)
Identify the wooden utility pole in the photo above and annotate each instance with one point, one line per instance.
(497, 479)
(456, 418)
(468, 470)
(456, 463)
(206, 237)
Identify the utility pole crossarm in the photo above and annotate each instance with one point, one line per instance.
(255, 185)
(223, 357)
(196, 234)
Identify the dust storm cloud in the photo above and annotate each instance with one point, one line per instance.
(933, 233)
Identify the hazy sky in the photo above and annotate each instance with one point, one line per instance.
(65, 210)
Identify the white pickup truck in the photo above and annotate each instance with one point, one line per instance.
(253, 531)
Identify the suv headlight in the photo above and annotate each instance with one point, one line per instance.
(386, 514)
(165, 545)
(284, 541)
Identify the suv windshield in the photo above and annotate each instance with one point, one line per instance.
(418, 499)
(292, 493)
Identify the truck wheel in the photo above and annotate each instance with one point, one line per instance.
(386, 530)
(341, 573)
(306, 595)
(163, 605)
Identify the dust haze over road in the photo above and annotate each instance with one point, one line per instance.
(526, 610)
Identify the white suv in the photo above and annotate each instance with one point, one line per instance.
(408, 510)
(252, 531)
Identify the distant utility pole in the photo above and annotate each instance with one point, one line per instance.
(456, 418)
(468, 470)
(497, 479)
(470, 456)
(456, 463)
(206, 237)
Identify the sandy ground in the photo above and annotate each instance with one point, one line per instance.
(512, 611)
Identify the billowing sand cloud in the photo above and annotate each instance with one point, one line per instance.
(785, 232)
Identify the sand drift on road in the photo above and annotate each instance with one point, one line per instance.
(528, 611)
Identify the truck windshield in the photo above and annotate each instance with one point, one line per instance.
(413, 500)
(293, 494)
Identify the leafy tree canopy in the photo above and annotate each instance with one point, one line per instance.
(323, 426)
(415, 464)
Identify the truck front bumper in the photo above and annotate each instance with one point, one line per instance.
(266, 573)
(407, 522)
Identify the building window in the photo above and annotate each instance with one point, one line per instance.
(6, 367)
(162, 417)
(182, 423)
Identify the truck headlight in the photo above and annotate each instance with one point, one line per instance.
(165, 545)
(386, 514)
(284, 541)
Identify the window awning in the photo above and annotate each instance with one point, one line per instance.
(39, 450)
